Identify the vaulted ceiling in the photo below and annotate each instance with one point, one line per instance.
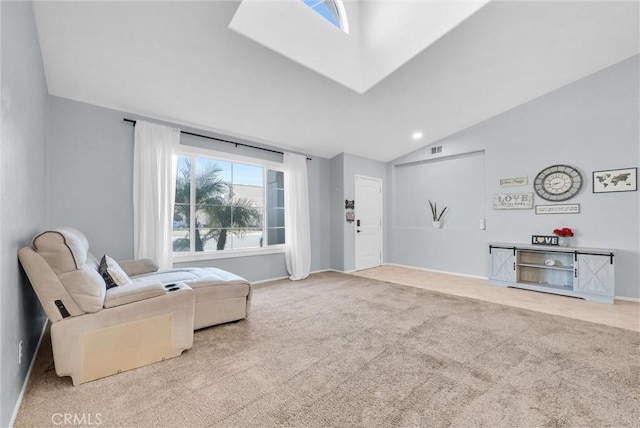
(181, 62)
(382, 35)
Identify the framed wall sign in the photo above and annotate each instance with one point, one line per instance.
(513, 201)
(513, 181)
(558, 209)
(615, 180)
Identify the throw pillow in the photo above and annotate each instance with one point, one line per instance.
(112, 273)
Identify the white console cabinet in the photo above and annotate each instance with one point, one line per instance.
(571, 271)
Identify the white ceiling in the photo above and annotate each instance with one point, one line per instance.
(383, 35)
(179, 61)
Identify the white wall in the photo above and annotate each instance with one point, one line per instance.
(592, 124)
(23, 193)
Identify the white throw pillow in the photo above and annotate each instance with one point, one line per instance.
(112, 273)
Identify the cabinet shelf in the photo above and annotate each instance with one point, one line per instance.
(567, 268)
(546, 285)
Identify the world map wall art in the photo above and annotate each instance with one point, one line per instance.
(615, 180)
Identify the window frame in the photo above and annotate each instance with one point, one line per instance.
(266, 165)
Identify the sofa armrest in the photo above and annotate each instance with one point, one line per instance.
(133, 292)
(138, 266)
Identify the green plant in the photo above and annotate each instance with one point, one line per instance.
(434, 211)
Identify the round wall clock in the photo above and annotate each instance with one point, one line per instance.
(557, 183)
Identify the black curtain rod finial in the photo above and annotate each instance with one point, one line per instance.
(221, 140)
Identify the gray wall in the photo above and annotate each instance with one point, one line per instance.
(337, 212)
(91, 175)
(91, 178)
(344, 169)
(356, 165)
(439, 180)
(592, 124)
(23, 193)
(319, 170)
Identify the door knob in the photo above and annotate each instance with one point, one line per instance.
(358, 231)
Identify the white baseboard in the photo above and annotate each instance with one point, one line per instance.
(269, 280)
(436, 271)
(338, 271)
(286, 277)
(26, 378)
(627, 299)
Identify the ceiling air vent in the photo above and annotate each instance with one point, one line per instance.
(436, 149)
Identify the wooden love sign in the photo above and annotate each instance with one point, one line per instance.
(513, 201)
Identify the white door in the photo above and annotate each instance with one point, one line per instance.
(368, 209)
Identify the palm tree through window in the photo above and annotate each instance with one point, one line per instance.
(220, 205)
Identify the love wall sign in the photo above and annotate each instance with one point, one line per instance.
(513, 201)
(544, 240)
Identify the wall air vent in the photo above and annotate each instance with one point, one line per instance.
(436, 149)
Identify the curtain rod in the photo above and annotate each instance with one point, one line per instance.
(133, 122)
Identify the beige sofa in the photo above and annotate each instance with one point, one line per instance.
(97, 332)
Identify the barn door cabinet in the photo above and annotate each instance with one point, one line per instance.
(571, 271)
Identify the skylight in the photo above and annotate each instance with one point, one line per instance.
(332, 11)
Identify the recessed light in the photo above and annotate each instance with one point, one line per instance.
(416, 135)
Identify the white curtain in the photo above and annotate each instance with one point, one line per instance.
(154, 186)
(297, 224)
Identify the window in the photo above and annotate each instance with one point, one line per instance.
(275, 204)
(223, 206)
(332, 11)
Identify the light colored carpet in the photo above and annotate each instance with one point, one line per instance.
(340, 350)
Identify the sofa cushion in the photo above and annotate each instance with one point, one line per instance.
(86, 287)
(112, 273)
(133, 292)
(138, 266)
(65, 249)
(220, 291)
(195, 277)
(201, 278)
(92, 262)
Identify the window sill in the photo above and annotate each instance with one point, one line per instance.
(192, 257)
